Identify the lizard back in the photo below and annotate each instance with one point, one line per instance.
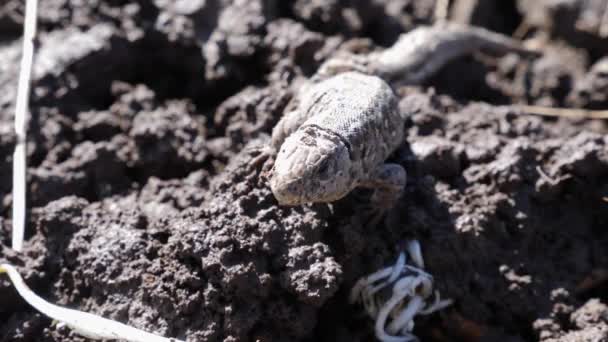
(362, 110)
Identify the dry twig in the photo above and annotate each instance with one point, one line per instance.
(603, 29)
(565, 112)
(441, 10)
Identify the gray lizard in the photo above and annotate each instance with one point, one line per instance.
(345, 123)
(338, 138)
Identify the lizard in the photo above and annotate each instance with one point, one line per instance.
(341, 127)
(338, 138)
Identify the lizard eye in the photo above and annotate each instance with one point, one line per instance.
(324, 169)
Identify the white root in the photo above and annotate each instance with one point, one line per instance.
(398, 267)
(413, 248)
(411, 291)
(406, 316)
(437, 305)
(367, 281)
(383, 314)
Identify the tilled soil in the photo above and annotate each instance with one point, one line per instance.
(149, 203)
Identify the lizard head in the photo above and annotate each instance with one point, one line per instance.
(312, 165)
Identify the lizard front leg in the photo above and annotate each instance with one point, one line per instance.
(388, 181)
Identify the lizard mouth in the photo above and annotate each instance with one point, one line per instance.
(287, 193)
(298, 193)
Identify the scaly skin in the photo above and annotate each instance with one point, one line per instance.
(339, 137)
(345, 124)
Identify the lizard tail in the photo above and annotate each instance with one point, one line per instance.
(419, 54)
(498, 44)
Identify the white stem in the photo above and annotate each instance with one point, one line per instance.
(413, 248)
(83, 323)
(437, 305)
(408, 328)
(418, 271)
(426, 287)
(406, 315)
(21, 108)
(374, 277)
(366, 281)
(383, 315)
(19, 167)
(398, 268)
(404, 285)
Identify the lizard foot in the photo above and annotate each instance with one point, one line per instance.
(373, 215)
(262, 159)
(388, 183)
